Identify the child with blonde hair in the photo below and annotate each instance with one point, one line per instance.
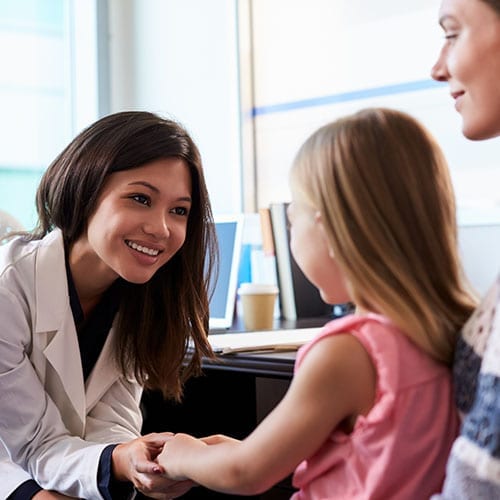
(369, 413)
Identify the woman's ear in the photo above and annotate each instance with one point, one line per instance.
(318, 218)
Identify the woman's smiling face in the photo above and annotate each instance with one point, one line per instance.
(470, 62)
(140, 220)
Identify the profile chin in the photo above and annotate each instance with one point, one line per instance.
(478, 135)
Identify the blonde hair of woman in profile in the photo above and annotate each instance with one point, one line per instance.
(369, 412)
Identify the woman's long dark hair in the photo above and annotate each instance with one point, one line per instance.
(155, 320)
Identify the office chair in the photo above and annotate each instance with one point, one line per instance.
(8, 224)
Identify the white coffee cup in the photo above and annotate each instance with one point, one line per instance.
(257, 300)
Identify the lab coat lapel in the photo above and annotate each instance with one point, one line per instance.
(54, 318)
(104, 374)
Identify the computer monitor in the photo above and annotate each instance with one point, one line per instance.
(229, 229)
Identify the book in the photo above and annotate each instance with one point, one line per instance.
(298, 297)
(266, 231)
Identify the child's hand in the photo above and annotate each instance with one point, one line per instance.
(177, 451)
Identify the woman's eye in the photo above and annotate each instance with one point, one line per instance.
(142, 199)
(450, 36)
(180, 211)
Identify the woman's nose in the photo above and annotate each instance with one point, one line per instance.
(157, 226)
(439, 71)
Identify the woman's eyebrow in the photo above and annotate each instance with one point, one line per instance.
(444, 18)
(156, 190)
(146, 184)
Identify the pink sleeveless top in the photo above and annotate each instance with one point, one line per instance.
(399, 450)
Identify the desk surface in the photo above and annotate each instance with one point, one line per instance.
(270, 364)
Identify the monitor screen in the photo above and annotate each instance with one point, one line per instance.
(229, 231)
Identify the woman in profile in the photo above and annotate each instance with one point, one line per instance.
(470, 62)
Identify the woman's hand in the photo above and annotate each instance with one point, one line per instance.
(135, 461)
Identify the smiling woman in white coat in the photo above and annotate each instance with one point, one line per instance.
(98, 302)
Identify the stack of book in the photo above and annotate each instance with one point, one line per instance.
(299, 298)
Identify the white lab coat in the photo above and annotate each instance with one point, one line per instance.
(52, 425)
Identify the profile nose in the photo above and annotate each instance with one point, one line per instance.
(439, 71)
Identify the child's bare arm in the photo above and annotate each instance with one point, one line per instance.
(335, 383)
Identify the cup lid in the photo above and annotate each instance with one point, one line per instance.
(257, 288)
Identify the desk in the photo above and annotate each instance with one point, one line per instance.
(232, 396)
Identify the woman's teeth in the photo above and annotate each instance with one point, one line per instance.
(140, 248)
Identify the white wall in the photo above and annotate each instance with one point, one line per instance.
(179, 58)
(479, 246)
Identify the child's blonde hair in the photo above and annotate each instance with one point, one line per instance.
(382, 186)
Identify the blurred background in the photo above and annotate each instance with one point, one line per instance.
(249, 79)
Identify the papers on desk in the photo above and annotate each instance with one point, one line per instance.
(279, 340)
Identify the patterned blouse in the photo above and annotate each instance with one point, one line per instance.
(473, 470)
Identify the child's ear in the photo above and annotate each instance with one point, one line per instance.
(318, 218)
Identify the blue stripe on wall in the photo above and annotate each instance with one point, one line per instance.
(385, 90)
(32, 89)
